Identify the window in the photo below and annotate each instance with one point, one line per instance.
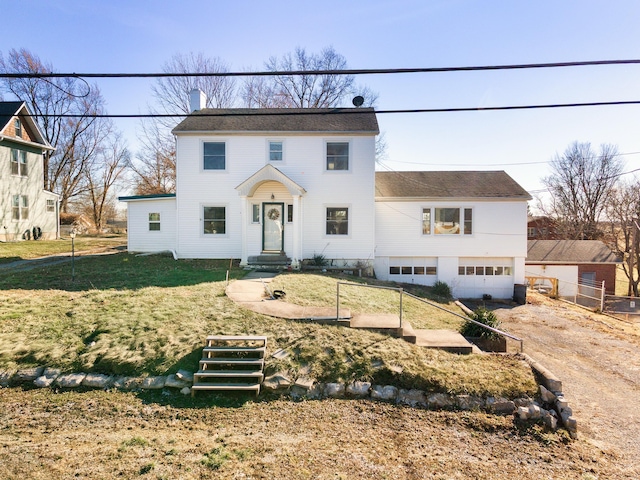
(214, 156)
(17, 125)
(337, 155)
(18, 162)
(431, 271)
(447, 221)
(485, 270)
(406, 270)
(418, 270)
(214, 220)
(337, 221)
(426, 221)
(394, 270)
(289, 213)
(20, 207)
(531, 231)
(255, 213)
(275, 151)
(154, 222)
(51, 205)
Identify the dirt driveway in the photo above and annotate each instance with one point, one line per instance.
(598, 360)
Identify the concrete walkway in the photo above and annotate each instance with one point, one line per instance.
(253, 292)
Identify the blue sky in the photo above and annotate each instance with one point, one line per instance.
(139, 36)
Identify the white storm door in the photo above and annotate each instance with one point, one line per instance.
(272, 227)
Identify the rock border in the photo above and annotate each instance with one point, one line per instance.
(550, 410)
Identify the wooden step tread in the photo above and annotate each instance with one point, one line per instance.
(234, 349)
(238, 338)
(226, 386)
(227, 373)
(235, 361)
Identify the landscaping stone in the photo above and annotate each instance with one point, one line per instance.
(70, 380)
(5, 377)
(97, 380)
(469, 402)
(550, 420)
(315, 392)
(43, 381)
(173, 381)
(186, 391)
(535, 412)
(153, 383)
(546, 395)
(500, 406)
(27, 375)
(522, 402)
(440, 400)
(386, 393)
(131, 383)
(334, 390)
(571, 424)
(304, 382)
(185, 376)
(52, 372)
(413, 398)
(276, 382)
(522, 413)
(358, 389)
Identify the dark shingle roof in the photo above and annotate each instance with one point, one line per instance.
(462, 184)
(569, 251)
(7, 112)
(334, 120)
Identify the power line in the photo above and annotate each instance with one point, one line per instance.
(367, 71)
(343, 111)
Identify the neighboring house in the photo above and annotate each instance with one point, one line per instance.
(541, 228)
(294, 184)
(573, 262)
(26, 208)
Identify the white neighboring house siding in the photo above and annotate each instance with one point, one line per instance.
(304, 163)
(567, 276)
(499, 237)
(31, 187)
(140, 238)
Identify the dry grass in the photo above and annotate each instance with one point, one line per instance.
(111, 435)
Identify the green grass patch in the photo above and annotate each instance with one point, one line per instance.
(150, 315)
(25, 250)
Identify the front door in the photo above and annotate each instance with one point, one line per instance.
(273, 227)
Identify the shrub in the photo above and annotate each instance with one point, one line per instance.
(441, 289)
(482, 315)
(319, 260)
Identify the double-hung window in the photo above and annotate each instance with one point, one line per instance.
(337, 221)
(19, 162)
(17, 125)
(20, 207)
(51, 205)
(214, 220)
(447, 221)
(154, 222)
(276, 151)
(214, 156)
(337, 155)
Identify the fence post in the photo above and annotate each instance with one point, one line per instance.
(602, 298)
(338, 302)
(401, 309)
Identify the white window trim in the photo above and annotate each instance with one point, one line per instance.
(268, 149)
(324, 155)
(226, 155)
(159, 222)
(251, 219)
(349, 219)
(226, 220)
(21, 207)
(53, 206)
(461, 221)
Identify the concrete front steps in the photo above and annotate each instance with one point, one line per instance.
(231, 362)
(446, 340)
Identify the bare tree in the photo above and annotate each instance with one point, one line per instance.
(304, 91)
(155, 166)
(75, 138)
(579, 186)
(112, 162)
(623, 212)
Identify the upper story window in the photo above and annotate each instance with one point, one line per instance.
(337, 155)
(19, 162)
(17, 125)
(154, 222)
(20, 207)
(214, 156)
(276, 151)
(337, 221)
(447, 221)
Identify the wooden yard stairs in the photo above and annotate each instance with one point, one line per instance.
(231, 362)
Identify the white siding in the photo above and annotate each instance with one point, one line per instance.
(304, 164)
(567, 276)
(140, 238)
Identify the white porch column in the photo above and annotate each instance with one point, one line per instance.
(243, 228)
(296, 254)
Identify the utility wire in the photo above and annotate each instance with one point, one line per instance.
(340, 111)
(369, 71)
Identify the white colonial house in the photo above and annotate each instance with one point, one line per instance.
(27, 210)
(294, 184)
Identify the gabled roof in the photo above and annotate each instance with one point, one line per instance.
(8, 110)
(449, 185)
(265, 174)
(285, 120)
(569, 252)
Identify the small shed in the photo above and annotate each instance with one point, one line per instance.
(572, 262)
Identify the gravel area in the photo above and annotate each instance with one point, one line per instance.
(597, 359)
